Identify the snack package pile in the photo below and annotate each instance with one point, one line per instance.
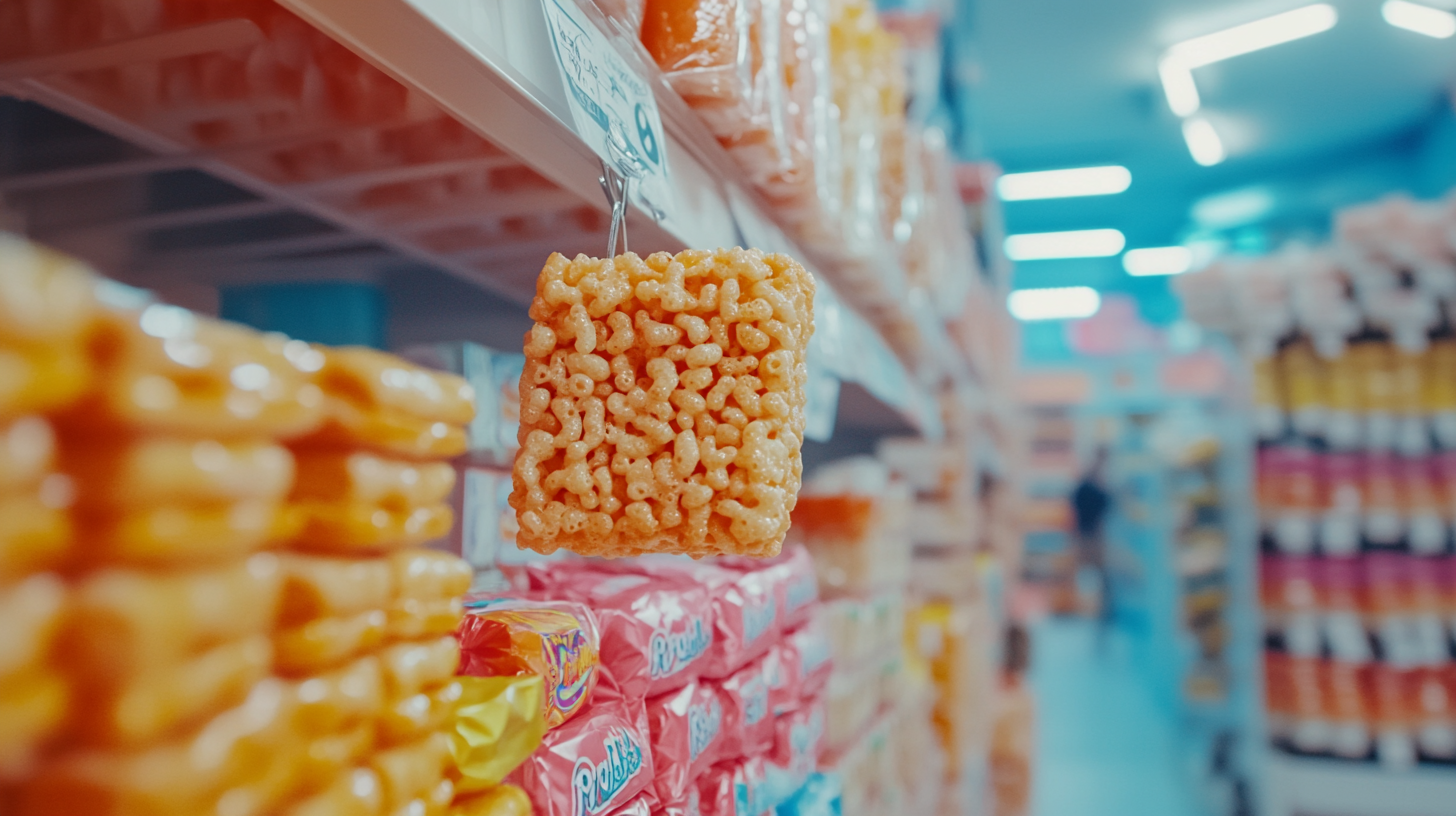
(696, 687)
(214, 594)
(808, 97)
(662, 404)
(1355, 390)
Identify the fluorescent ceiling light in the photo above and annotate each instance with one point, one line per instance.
(1179, 87)
(1080, 181)
(1171, 260)
(1203, 142)
(1255, 36)
(1418, 18)
(1043, 246)
(1176, 68)
(1062, 303)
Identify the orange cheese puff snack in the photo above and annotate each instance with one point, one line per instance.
(41, 378)
(417, 715)
(662, 404)
(124, 620)
(359, 477)
(355, 793)
(428, 575)
(353, 528)
(163, 470)
(32, 707)
(326, 642)
(30, 614)
(411, 619)
(412, 667)
(411, 770)
(160, 699)
(35, 532)
(168, 370)
(183, 533)
(379, 401)
(243, 745)
(45, 297)
(330, 701)
(27, 452)
(316, 586)
(328, 756)
(502, 800)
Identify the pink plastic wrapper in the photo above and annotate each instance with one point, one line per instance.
(745, 607)
(810, 643)
(594, 764)
(795, 584)
(733, 789)
(687, 732)
(656, 633)
(643, 804)
(799, 738)
(687, 805)
(781, 676)
(747, 719)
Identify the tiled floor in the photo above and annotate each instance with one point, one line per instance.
(1104, 748)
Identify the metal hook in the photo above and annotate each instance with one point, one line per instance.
(617, 188)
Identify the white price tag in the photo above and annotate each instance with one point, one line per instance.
(614, 109)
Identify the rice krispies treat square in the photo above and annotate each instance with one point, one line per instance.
(662, 404)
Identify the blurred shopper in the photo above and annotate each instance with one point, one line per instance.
(1091, 502)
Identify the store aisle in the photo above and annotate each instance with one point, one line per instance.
(1103, 747)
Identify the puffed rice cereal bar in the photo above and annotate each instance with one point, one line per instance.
(662, 404)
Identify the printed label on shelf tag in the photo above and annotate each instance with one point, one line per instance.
(614, 109)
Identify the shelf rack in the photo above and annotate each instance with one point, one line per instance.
(515, 183)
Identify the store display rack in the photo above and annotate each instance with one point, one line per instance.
(1298, 785)
(518, 160)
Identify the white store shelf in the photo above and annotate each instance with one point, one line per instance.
(1304, 786)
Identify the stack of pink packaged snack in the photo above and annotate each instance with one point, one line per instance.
(687, 687)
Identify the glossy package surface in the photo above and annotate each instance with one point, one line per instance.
(687, 736)
(557, 641)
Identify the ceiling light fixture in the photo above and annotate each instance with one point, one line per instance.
(1170, 260)
(1176, 68)
(1061, 303)
(1079, 181)
(1045, 246)
(1203, 142)
(1431, 22)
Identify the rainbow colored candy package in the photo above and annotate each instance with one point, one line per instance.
(557, 640)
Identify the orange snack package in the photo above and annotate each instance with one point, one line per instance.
(411, 619)
(428, 575)
(559, 642)
(323, 586)
(35, 533)
(411, 770)
(662, 404)
(47, 303)
(363, 528)
(360, 477)
(380, 402)
(163, 470)
(355, 792)
(31, 610)
(327, 642)
(127, 620)
(412, 717)
(165, 369)
(183, 533)
(245, 753)
(409, 668)
(160, 699)
(33, 705)
(27, 452)
(333, 700)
